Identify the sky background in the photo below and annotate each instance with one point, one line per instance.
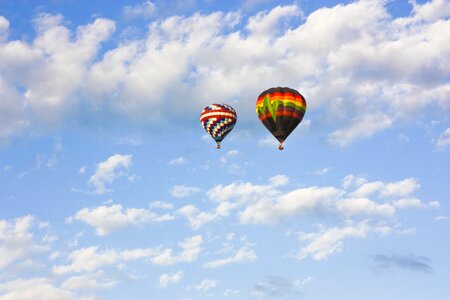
(111, 189)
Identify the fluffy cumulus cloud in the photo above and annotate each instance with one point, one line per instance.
(365, 75)
(108, 171)
(20, 239)
(328, 241)
(431, 11)
(199, 218)
(396, 189)
(12, 110)
(191, 248)
(106, 219)
(166, 279)
(90, 259)
(48, 72)
(362, 207)
(268, 204)
(88, 281)
(229, 197)
(34, 288)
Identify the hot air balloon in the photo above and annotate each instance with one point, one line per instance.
(218, 120)
(280, 109)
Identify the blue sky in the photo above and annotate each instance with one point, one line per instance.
(111, 189)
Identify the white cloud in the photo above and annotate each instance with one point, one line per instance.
(231, 293)
(91, 259)
(48, 71)
(267, 204)
(362, 127)
(434, 204)
(205, 285)
(87, 282)
(331, 200)
(395, 66)
(400, 188)
(304, 200)
(304, 281)
(431, 11)
(178, 161)
(364, 206)
(33, 288)
(278, 180)
(60, 64)
(12, 110)
(54, 255)
(328, 241)
(88, 259)
(368, 189)
(408, 202)
(352, 181)
(198, 218)
(107, 219)
(108, 171)
(191, 249)
(145, 10)
(18, 241)
(244, 192)
(230, 154)
(182, 191)
(104, 77)
(166, 279)
(242, 255)
(394, 189)
(444, 139)
(266, 24)
(195, 217)
(161, 205)
(230, 236)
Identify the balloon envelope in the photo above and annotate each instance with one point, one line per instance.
(280, 109)
(218, 120)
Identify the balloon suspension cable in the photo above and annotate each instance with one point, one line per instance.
(281, 147)
(218, 145)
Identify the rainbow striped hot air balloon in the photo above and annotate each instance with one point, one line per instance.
(218, 120)
(280, 109)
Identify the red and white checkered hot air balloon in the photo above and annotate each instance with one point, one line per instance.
(218, 120)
